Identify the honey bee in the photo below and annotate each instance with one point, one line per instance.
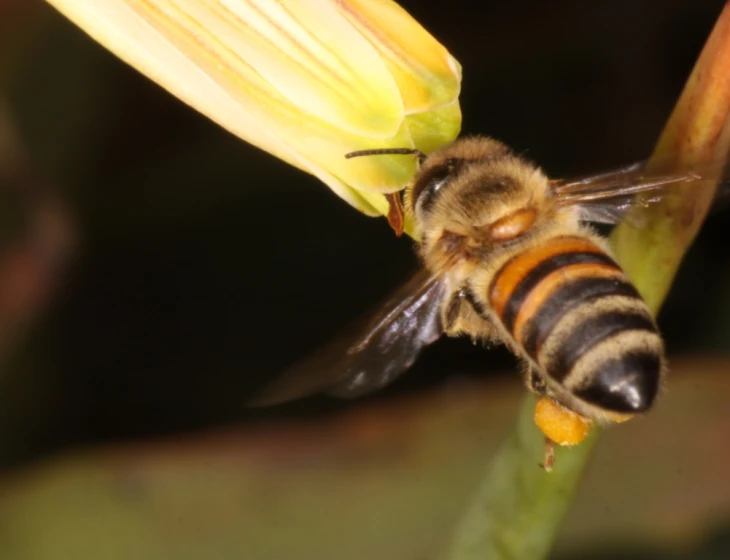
(509, 257)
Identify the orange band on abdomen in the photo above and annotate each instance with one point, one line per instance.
(514, 282)
(553, 282)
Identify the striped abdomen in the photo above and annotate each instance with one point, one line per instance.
(573, 311)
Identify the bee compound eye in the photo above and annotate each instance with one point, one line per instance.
(430, 183)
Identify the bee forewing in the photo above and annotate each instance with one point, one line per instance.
(607, 197)
(373, 352)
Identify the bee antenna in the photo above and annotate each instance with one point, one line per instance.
(385, 151)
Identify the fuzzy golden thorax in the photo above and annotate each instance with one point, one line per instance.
(475, 197)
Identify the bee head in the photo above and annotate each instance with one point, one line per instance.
(440, 171)
(473, 188)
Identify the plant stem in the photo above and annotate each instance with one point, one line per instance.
(517, 510)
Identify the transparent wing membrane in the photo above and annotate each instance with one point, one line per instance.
(607, 197)
(371, 353)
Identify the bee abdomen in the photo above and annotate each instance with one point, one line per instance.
(607, 352)
(573, 311)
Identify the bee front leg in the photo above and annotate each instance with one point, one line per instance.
(396, 213)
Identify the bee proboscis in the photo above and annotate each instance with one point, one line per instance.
(509, 256)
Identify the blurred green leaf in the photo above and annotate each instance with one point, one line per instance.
(388, 481)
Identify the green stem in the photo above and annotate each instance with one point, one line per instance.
(519, 507)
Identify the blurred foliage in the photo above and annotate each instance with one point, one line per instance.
(204, 267)
(387, 481)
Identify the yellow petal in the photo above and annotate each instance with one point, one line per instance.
(319, 142)
(123, 31)
(426, 74)
(307, 51)
(301, 80)
(432, 129)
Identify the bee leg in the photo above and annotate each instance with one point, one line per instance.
(548, 461)
(536, 383)
(396, 213)
(464, 315)
(558, 422)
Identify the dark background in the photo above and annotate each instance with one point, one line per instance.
(206, 267)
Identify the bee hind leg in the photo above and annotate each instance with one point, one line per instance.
(536, 383)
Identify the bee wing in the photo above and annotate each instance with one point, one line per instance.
(370, 355)
(606, 197)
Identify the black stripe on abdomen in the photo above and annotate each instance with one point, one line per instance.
(565, 299)
(540, 272)
(592, 331)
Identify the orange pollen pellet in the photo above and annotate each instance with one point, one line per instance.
(559, 424)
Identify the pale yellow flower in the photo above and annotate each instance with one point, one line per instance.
(306, 80)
